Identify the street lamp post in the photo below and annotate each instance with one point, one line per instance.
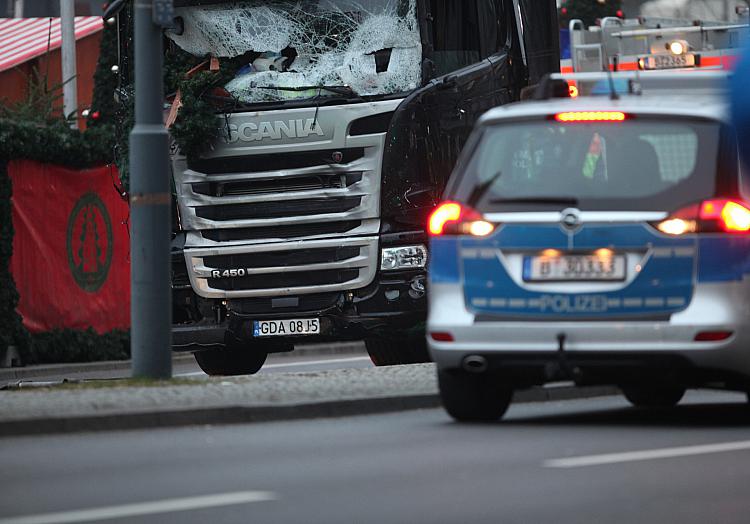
(150, 200)
(68, 54)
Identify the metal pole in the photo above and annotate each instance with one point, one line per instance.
(150, 201)
(18, 9)
(70, 84)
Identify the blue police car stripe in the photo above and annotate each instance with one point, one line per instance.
(724, 258)
(443, 261)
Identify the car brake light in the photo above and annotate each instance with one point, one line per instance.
(590, 116)
(451, 218)
(732, 216)
(713, 336)
(710, 216)
(441, 337)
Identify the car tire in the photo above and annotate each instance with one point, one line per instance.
(473, 397)
(396, 352)
(231, 361)
(654, 396)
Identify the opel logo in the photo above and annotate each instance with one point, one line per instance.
(570, 219)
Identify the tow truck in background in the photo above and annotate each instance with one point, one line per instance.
(306, 223)
(649, 44)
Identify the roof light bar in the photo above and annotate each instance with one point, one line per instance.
(590, 116)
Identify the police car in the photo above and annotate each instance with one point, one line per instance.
(603, 240)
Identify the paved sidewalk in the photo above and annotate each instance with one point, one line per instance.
(235, 400)
(30, 372)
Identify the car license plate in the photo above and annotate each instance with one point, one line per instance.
(285, 328)
(574, 268)
(668, 61)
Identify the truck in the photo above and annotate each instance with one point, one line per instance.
(652, 43)
(305, 222)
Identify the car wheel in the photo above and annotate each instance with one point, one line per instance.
(473, 397)
(395, 352)
(231, 361)
(654, 396)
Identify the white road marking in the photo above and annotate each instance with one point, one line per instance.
(653, 454)
(144, 508)
(293, 365)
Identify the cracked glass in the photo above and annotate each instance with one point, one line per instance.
(294, 50)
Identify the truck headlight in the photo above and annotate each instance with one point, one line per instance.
(405, 257)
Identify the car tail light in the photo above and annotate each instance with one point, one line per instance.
(590, 116)
(713, 336)
(442, 337)
(710, 216)
(451, 218)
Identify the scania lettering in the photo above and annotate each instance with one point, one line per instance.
(251, 132)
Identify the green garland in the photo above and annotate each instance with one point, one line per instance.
(195, 129)
(67, 345)
(112, 107)
(105, 80)
(12, 332)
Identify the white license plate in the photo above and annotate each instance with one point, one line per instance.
(574, 268)
(285, 328)
(668, 61)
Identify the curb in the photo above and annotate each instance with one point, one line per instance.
(251, 414)
(20, 373)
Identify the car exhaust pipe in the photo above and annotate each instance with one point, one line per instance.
(475, 364)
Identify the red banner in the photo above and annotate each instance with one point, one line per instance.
(71, 249)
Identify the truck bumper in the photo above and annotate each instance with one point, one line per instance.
(394, 305)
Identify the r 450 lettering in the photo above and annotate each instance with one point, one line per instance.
(228, 273)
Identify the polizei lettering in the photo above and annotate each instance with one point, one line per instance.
(277, 130)
(574, 304)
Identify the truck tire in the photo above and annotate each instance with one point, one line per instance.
(395, 352)
(654, 396)
(473, 397)
(231, 361)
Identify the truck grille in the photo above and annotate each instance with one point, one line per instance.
(282, 232)
(284, 280)
(266, 210)
(277, 185)
(268, 270)
(289, 216)
(277, 162)
(282, 258)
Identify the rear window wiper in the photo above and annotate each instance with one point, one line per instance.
(481, 189)
(566, 201)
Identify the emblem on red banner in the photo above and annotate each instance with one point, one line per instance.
(89, 242)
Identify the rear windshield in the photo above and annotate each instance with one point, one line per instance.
(639, 164)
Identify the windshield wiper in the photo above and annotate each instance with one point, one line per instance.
(567, 201)
(337, 90)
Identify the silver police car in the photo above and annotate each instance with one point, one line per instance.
(603, 240)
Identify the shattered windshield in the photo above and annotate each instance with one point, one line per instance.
(293, 50)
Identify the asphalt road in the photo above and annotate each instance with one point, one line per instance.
(583, 461)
